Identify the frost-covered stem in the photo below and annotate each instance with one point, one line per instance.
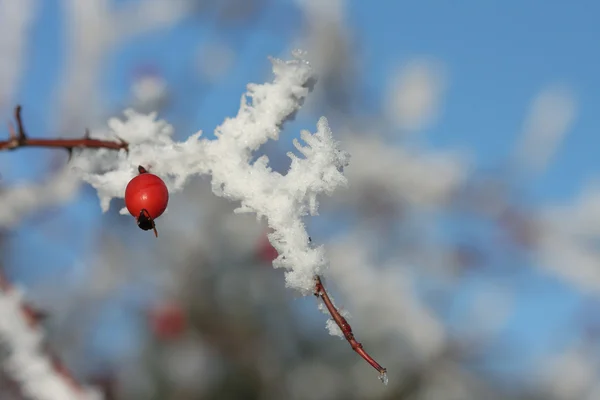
(20, 139)
(93, 28)
(39, 372)
(345, 327)
(283, 200)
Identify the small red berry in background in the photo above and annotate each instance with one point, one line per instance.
(146, 198)
(167, 321)
(266, 252)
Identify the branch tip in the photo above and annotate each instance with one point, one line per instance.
(33, 317)
(346, 329)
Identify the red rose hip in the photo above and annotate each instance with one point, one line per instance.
(146, 198)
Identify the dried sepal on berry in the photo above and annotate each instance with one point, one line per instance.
(146, 198)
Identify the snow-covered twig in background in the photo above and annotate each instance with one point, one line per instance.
(16, 18)
(20, 201)
(566, 235)
(40, 375)
(421, 179)
(415, 94)
(552, 113)
(402, 313)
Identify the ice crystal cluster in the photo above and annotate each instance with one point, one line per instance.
(283, 200)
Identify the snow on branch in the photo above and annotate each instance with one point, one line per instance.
(20, 201)
(567, 235)
(39, 374)
(19, 138)
(93, 28)
(283, 200)
(419, 179)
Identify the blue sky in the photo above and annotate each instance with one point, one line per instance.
(498, 55)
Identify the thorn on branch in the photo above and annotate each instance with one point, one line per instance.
(346, 329)
(21, 136)
(123, 143)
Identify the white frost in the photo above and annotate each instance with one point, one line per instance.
(283, 200)
(24, 359)
(20, 201)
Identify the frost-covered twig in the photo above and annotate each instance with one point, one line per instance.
(20, 139)
(22, 200)
(283, 200)
(16, 19)
(40, 374)
(346, 328)
(93, 27)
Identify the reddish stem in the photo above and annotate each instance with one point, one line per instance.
(345, 326)
(20, 139)
(145, 221)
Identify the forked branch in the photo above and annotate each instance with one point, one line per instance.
(347, 329)
(20, 139)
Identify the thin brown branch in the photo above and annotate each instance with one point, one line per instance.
(21, 139)
(346, 328)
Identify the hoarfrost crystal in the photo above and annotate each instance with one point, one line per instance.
(283, 200)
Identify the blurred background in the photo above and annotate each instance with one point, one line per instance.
(466, 248)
